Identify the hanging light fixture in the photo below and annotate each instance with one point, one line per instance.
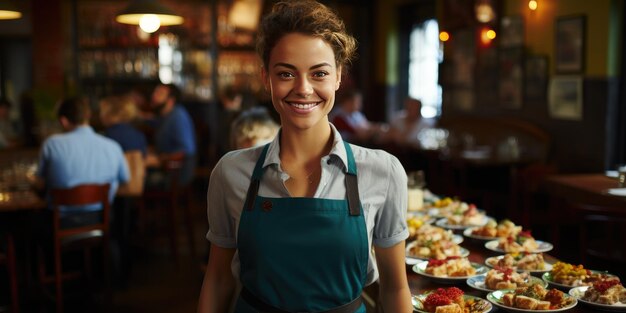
(8, 11)
(149, 15)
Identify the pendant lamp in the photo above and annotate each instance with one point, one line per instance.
(149, 15)
(8, 11)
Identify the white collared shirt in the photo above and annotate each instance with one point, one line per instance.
(382, 185)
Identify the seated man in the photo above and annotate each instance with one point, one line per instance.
(175, 133)
(406, 126)
(80, 156)
(352, 123)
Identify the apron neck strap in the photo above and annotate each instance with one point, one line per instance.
(352, 186)
(255, 181)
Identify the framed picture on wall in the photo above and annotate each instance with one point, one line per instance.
(511, 31)
(570, 44)
(535, 78)
(566, 98)
(511, 80)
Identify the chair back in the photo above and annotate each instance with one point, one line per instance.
(81, 195)
(137, 167)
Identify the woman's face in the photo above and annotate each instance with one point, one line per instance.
(302, 77)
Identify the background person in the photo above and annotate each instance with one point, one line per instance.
(350, 120)
(280, 222)
(80, 156)
(406, 126)
(253, 128)
(175, 132)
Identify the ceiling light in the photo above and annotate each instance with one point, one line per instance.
(8, 11)
(138, 9)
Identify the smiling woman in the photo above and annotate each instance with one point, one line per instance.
(292, 228)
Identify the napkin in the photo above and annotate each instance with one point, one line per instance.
(617, 191)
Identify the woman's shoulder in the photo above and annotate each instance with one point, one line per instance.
(376, 158)
(239, 160)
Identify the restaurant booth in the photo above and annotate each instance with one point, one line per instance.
(530, 127)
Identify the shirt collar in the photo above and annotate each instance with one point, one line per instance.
(338, 149)
(83, 129)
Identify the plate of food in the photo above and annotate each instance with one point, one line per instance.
(535, 298)
(461, 224)
(565, 276)
(492, 230)
(416, 253)
(522, 242)
(452, 270)
(503, 278)
(449, 300)
(521, 262)
(606, 295)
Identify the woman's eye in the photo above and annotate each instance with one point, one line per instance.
(285, 75)
(320, 74)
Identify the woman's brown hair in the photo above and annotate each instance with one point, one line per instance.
(306, 17)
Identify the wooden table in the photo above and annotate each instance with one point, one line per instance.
(12, 201)
(585, 188)
(478, 253)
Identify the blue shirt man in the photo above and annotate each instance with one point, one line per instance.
(175, 133)
(80, 156)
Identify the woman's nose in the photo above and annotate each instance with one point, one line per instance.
(303, 87)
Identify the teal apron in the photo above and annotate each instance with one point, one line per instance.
(302, 254)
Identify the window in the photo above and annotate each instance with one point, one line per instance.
(425, 54)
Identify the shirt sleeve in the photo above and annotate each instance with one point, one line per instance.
(221, 226)
(42, 167)
(185, 133)
(124, 172)
(390, 227)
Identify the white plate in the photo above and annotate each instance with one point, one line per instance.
(547, 277)
(413, 259)
(617, 192)
(546, 266)
(420, 268)
(578, 292)
(543, 246)
(478, 282)
(444, 223)
(611, 174)
(495, 297)
(416, 300)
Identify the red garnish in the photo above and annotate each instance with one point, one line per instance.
(602, 285)
(442, 296)
(453, 292)
(435, 299)
(506, 271)
(435, 262)
(525, 233)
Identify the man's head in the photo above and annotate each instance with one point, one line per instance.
(351, 101)
(73, 112)
(413, 107)
(164, 98)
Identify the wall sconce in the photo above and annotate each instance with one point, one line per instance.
(487, 35)
(444, 36)
(8, 11)
(532, 5)
(149, 15)
(484, 11)
(245, 14)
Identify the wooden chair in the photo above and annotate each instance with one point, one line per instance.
(80, 237)
(170, 195)
(602, 236)
(8, 258)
